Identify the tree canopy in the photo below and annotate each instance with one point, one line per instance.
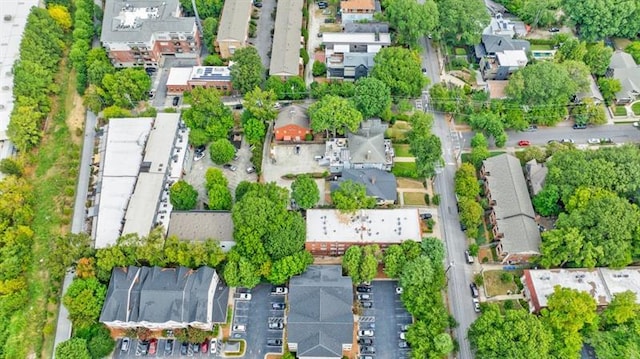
(462, 21)
(208, 118)
(350, 196)
(336, 114)
(410, 19)
(597, 19)
(260, 104)
(400, 69)
(305, 192)
(84, 299)
(247, 71)
(222, 151)
(183, 196)
(372, 97)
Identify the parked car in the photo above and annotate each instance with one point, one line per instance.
(405, 327)
(199, 153)
(364, 296)
(196, 347)
(244, 296)
(322, 4)
(278, 326)
(367, 304)
(554, 29)
(468, 257)
(274, 342)
(143, 348)
(532, 128)
(636, 124)
(153, 346)
(403, 335)
(579, 126)
(566, 140)
(279, 290)
(278, 306)
(367, 349)
(363, 289)
(168, 346)
(183, 348)
(403, 344)
(230, 167)
(176, 100)
(463, 227)
(606, 140)
(365, 341)
(257, 4)
(365, 333)
(251, 169)
(552, 141)
(239, 328)
(476, 305)
(593, 141)
(398, 290)
(426, 215)
(204, 347)
(474, 290)
(126, 342)
(213, 345)
(524, 143)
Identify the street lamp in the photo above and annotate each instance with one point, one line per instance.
(451, 264)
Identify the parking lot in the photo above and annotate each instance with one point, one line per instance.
(288, 159)
(174, 352)
(256, 314)
(386, 318)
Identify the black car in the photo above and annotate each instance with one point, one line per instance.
(365, 341)
(554, 29)
(257, 4)
(474, 290)
(363, 289)
(581, 126)
(426, 215)
(176, 100)
(274, 342)
(463, 227)
(143, 347)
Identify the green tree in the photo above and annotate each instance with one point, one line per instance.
(287, 267)
(287, 237)
(572, 49)
(208, 118)
(222, 151)
(127, 87)
(369, 265)
(219, 198)
(462, 22)
(350, 196)
(213, 60)
(295, 88)
(183, 196)
(247, 71)
(547, 201)
(24, 127)
(98, 65)
(410, 19)
(466, 182)
(514, 334)
(11, 167)
(214, 176)
(276, 85)
(372, 97)
(614, 18)
(319, 68)
(261, 104)
(634, 49)
(84, 299)
(254, 130)
(622, 309)
(609, 87)
(394, 261)
(100, 344)
(209, 29)
(74, 348)
(539, 13)
(240, 272)
(598, 57)
(479, 149)
(470, 215)
(305, 192)
(433, 248)
(400, 69)
(428, 154)
(335, 114)
(351, 261)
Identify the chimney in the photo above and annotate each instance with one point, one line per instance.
(367, 155)
(373, 180)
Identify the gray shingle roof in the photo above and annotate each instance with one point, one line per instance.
(513, 208)
(380, 184)
(201, 225)
(293, 115)
(159, 295)
(367, 145)
(536, 173)
(366, 27)
(137, 20)
(234, 21)
(625, 69)
(497, 43)
(285, 50)
(320, 314)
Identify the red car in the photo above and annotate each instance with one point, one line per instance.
(523, 143)
(153, 346)
(204, 347)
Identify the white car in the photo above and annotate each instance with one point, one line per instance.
(213, 346)
(398, 290)
(636, 124)
(364, 296)
(593, 141)
(239, 328)
(245, 296)
(476, 305)
(280, 290)
(403, 336)
(365, 333)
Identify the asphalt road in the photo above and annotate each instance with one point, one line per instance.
(458, 273)
(263, 38)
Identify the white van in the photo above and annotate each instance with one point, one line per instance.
(468, 257)
(239, 328)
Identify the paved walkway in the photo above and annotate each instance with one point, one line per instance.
(499, 298)
(404, 159)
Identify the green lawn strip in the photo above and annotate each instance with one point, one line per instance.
(619, 111)
(405, 169)
(401, 150)
(636, 108)
(541, 47)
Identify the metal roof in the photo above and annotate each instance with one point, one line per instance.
(285, 50)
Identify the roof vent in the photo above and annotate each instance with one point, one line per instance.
(8, 17)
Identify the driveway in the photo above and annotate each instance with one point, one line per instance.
(314, 42)
(388, 315)
(195, 175)
(290, 161)
(265, 24)
(255, 314)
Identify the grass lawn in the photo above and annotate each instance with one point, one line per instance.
(460, 51)
(402, 150)
(541, 47)
(619, 111)
(494, 284)
(405, 169)
(409, 183)
(636, 108)
(398, 131)
(414, 199)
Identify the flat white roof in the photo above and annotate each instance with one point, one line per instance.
(125, 140)
(160, 144)
(356, 38)
(601, 283)
(10, 37)
(363, 226)
(512, 58)
(143, 206)
(179, 76)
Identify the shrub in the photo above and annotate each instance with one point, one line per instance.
(305, 56)
(508, 304)
(506, 277)
(308, 137)
(436, 199)
(426, 198)
(478, 279)
(319, 68)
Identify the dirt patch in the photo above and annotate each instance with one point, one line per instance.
(324, 260)
(414, 198)
(621, 44)
(75, 119)
(495, 286)
(485, 253)
(408, 183)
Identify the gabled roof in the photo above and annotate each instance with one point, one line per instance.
(285, 53)
(513, 209)
(622, 60)
(381, 27)
(380, 184)
(498, 43)
(355, 59)
(159, 295)
(537, 173)
(234, 21)
(367, 145)
(320, 314)
(293, 115)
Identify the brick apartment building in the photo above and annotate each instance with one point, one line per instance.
(141, 33)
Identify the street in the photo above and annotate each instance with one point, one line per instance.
(459, 274)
